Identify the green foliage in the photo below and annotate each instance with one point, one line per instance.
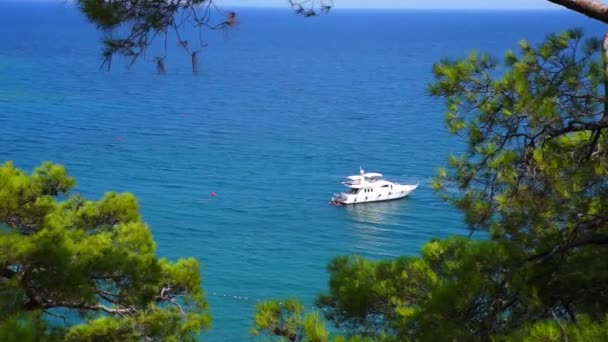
(419, 298)
(287, 321)
(27, 327)
(554, 331)
(366, 296)
(89, 259)
(536, 170)
(534, 128)
(535, 177)
(314, 328)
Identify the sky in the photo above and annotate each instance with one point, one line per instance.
(413, 4)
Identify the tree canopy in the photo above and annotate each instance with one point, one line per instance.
(289, 321)
(90, 265)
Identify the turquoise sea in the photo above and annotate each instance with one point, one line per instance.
(283, 109)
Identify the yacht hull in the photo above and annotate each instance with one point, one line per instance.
(394, 194)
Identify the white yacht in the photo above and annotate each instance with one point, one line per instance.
(371, 187)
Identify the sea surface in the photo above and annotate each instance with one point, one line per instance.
(284, 108)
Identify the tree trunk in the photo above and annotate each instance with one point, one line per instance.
(592, 8)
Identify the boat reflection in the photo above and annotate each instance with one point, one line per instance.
(384, 213)
(377, 228)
